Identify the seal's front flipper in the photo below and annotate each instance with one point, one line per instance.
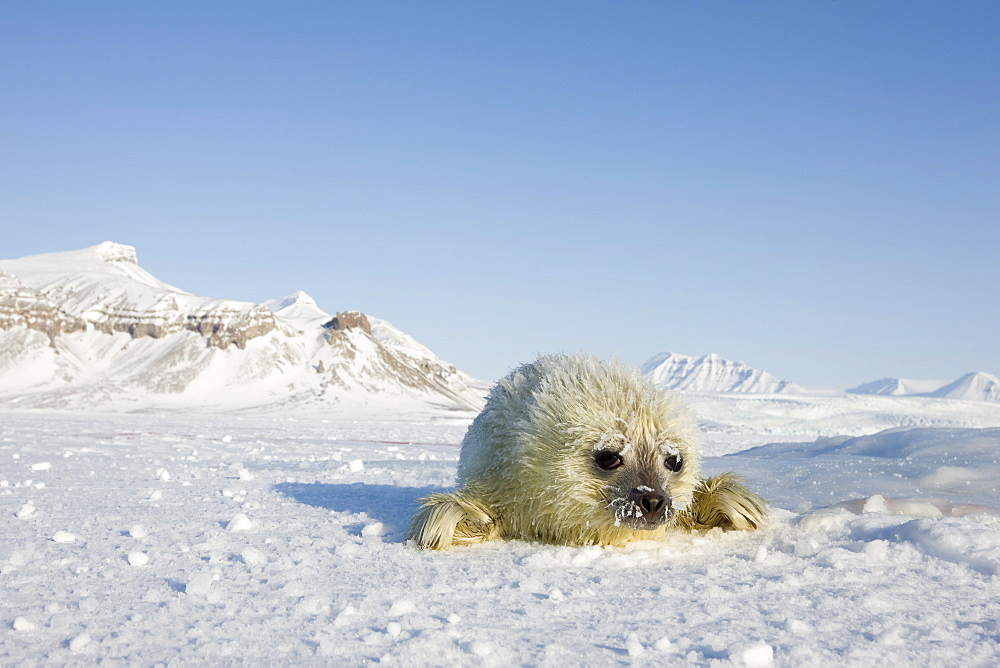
(724, 501)
(451, 519)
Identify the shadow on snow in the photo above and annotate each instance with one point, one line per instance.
(391, 505)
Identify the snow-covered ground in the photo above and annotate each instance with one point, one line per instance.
(150, 538)
(753, 419)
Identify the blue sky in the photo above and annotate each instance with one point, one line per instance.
(811, 187)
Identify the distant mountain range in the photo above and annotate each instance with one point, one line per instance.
(975, 386)
(711, 373)
(897, 387)
(92, 328)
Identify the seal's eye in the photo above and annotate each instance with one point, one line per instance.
(608, 460)
(673, 462)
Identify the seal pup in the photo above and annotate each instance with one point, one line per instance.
(572, 450)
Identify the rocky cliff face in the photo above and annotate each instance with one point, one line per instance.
(91, 326)
(359, 357)
(21, 306)
(77, 299)
(349, 320)
(221, 326)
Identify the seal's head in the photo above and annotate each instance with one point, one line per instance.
(570, 449)
(644, 483)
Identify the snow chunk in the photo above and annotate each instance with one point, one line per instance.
(63, 537)
(874, 504)
(137, 531)
(633, 646)
(892, 635)
(356, 465)
(760, 654)
(402, 607)
(23, 624)
(311, 606)
(253, 557)
(78, 643)
(343, 615)
(240, 522)
(798, 627)
(26, 509)
(200, 584)
(347, 550)
(482, 648)
(374, 529)
(41, 466)
(138, 558)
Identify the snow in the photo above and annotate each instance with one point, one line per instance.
(978, 386)
(884, 548)
(299, 309)
(23, 624)
(91, 329)
(138, 558)
(220, 505)
(240, 522)
(897, 386)
(736, 421)
(711, 373)
(973, 386)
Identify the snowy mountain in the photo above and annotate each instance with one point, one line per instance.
(711, 373)
(92, 328)
(975, 386)
(298, 308)
(897, 387)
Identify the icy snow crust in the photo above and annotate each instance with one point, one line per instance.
(268, 539)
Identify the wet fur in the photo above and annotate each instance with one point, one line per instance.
(527, 468)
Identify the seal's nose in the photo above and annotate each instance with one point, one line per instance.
(652, 505)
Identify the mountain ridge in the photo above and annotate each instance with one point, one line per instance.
(973, 386)
(711, 373)
(91, 327)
